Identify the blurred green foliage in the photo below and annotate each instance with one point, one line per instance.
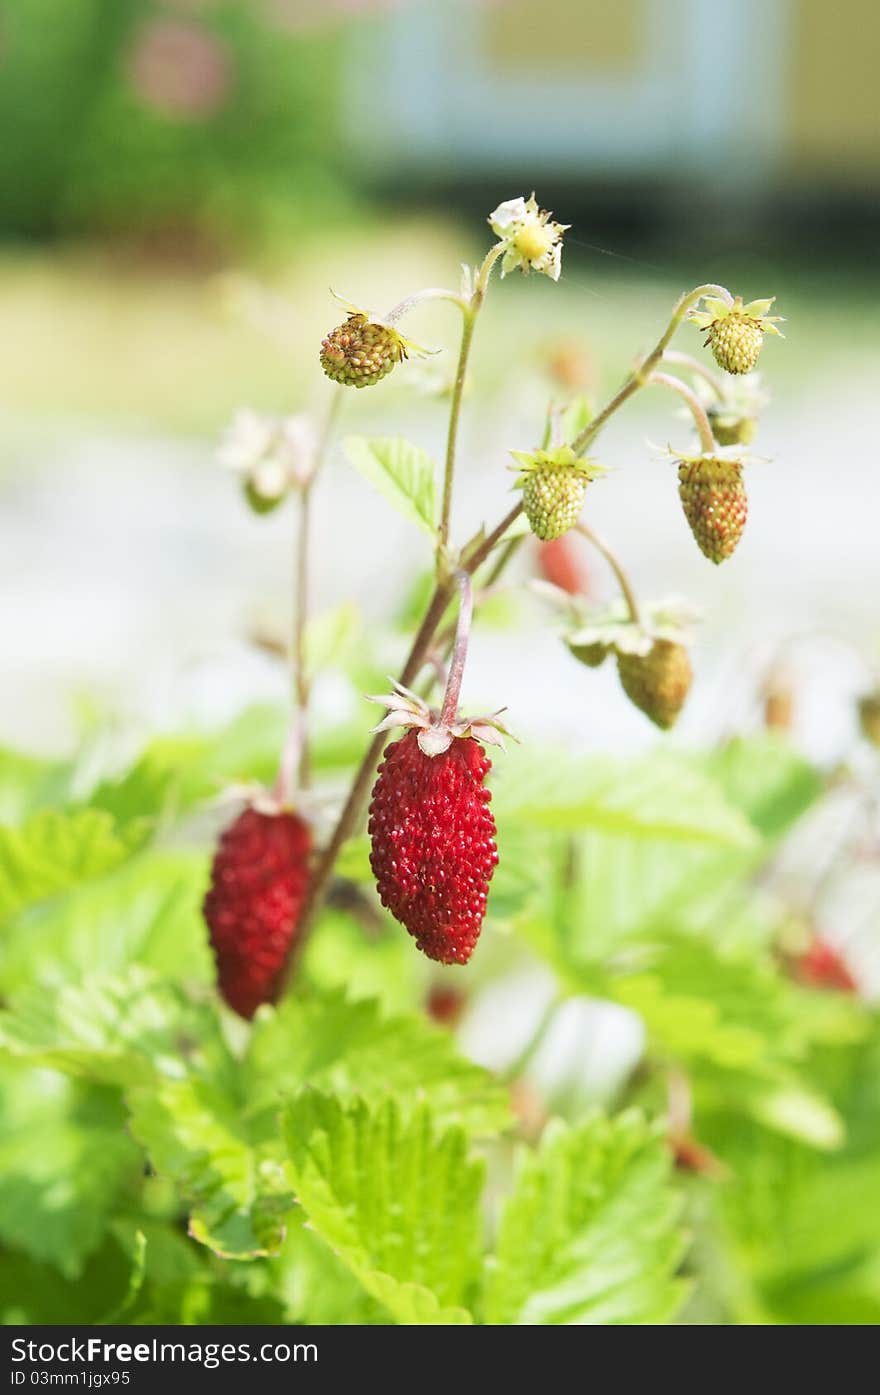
(144, 117)
(340, 1161)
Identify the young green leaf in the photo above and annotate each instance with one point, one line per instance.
(402, 473)
(228, 1173)
(147, 912)
(589, 1234)
(123, 1030)
(395, 1199)
(65, 1157)
(654, 797)
(353, 1048)
(53, 851)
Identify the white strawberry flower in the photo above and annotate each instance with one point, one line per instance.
(272, 454)
(531, 240)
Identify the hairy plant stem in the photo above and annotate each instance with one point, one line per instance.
(470, 311)
(613, 561)
(639, 375)
(403, 307)
(697, 410)
(300, 621)
(694, 365)
(299, 662)
(467, 336)
(459, 648)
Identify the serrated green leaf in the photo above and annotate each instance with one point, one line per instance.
(145, 792)
(147, 911)
(29, 783)
(588, 1235)
(349, 1048)
(658, 797)
(770, 782)
(735, 1011)
(64, 1157)
(393, 1198)
(236, 1187)
(402, 473)
(53, 851)
(120, 1030)
(316, 1287)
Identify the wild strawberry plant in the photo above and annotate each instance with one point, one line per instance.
(234, 1090)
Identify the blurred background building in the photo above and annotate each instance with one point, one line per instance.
(182, 180)
(646, 93)
(234, 117)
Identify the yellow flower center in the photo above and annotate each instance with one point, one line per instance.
(533, 241)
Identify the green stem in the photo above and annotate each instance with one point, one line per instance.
(301, 683)
(639, 375)
(471, 311)
(697, 410)
(467, 335)
(614, 563)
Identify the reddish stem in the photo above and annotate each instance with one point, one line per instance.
(459, 648)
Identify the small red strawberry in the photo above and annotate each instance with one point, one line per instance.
(433, 848)
(823, 966)
(713, 496)
(258, 883)
(445, 1005)
(562, 564)
(432, 834)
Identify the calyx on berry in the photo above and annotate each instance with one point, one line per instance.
(436, 734)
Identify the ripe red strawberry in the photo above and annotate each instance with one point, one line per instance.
(560, 563)
(823, 966)
(433, 850)
(445, 1005)
(713, 496)
(258, 883)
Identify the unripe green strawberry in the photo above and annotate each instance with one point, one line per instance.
(735, 332)
(552, 500)
(553, 484)
(360, 352)
(736, 342)
(713, 496)
(593, 655)
(261, 503)
(657, 682)
(869, 717)
(732, 431)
